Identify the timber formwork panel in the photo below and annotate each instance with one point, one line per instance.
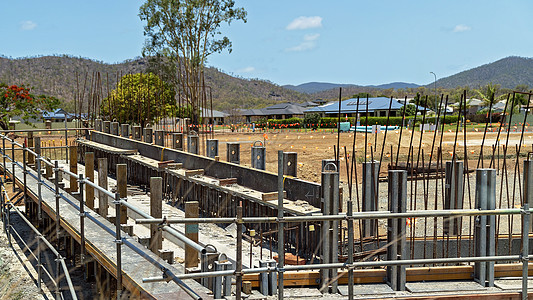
(213, 201)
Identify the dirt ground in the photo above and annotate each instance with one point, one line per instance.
(313, 147)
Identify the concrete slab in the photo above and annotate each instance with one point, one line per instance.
(443, 286)
(367, 289)
(310, 293)
(512, 284)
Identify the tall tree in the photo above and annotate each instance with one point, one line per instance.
(187, 32)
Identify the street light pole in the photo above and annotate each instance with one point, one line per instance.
(436, 102)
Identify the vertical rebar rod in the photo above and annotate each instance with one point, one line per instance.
(338, 127)
(281, 233)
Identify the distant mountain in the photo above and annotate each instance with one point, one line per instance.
(395, 85)
(314, 87)
(317, 87)
(56, 76)
(507, 72)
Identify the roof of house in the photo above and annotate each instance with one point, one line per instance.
(287, 108)
(216, 113)
(474, 101)
(308, 104)
(56, 114)
(353, 106)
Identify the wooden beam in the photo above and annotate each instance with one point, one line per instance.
(227, 181)
(272, 196)
(156, 211)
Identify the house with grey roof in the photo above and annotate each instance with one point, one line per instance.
(378, 107)
(214, 116)
(277, 111)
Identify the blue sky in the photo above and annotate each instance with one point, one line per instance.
(295, 41)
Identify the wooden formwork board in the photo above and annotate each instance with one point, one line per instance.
(415, 274)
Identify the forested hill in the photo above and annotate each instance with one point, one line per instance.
(56, 76)
(507, 72)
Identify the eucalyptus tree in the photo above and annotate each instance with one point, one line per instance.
(186, 33)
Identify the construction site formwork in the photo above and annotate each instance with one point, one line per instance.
(306, 220)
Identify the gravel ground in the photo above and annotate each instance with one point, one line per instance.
(15, 282)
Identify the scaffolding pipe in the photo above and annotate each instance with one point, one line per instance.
(341, 217)
(167, 228)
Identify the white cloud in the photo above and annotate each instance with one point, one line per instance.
(311, 37)
(27, 25)
(246, 70)
(461, 28)
(305, 23)
(309, 42)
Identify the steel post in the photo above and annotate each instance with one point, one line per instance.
(453, 196)
(114, 128)
(528, 186)
(396, 229)
(192, 144)
(98, 124)
(350, 249)
(57, 197)
(4, 156)
(160, 138)
(233, 153)
(31, 157)
(118, 241)
(258, 158)
(526, 215)
(281, 225)
(107, 126)
(526, 223)
(227, 279)
(148, 135)
(330, 245)
(211, 146)
(290, 166)
(38, 162)
(82, 221)
(39, 265)
(370, 194)
(217, 288)
(484, 227)
(137, 135)
(13, 164)
(25, 188)
(177, 141)
(125, 130)
(238, 261)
